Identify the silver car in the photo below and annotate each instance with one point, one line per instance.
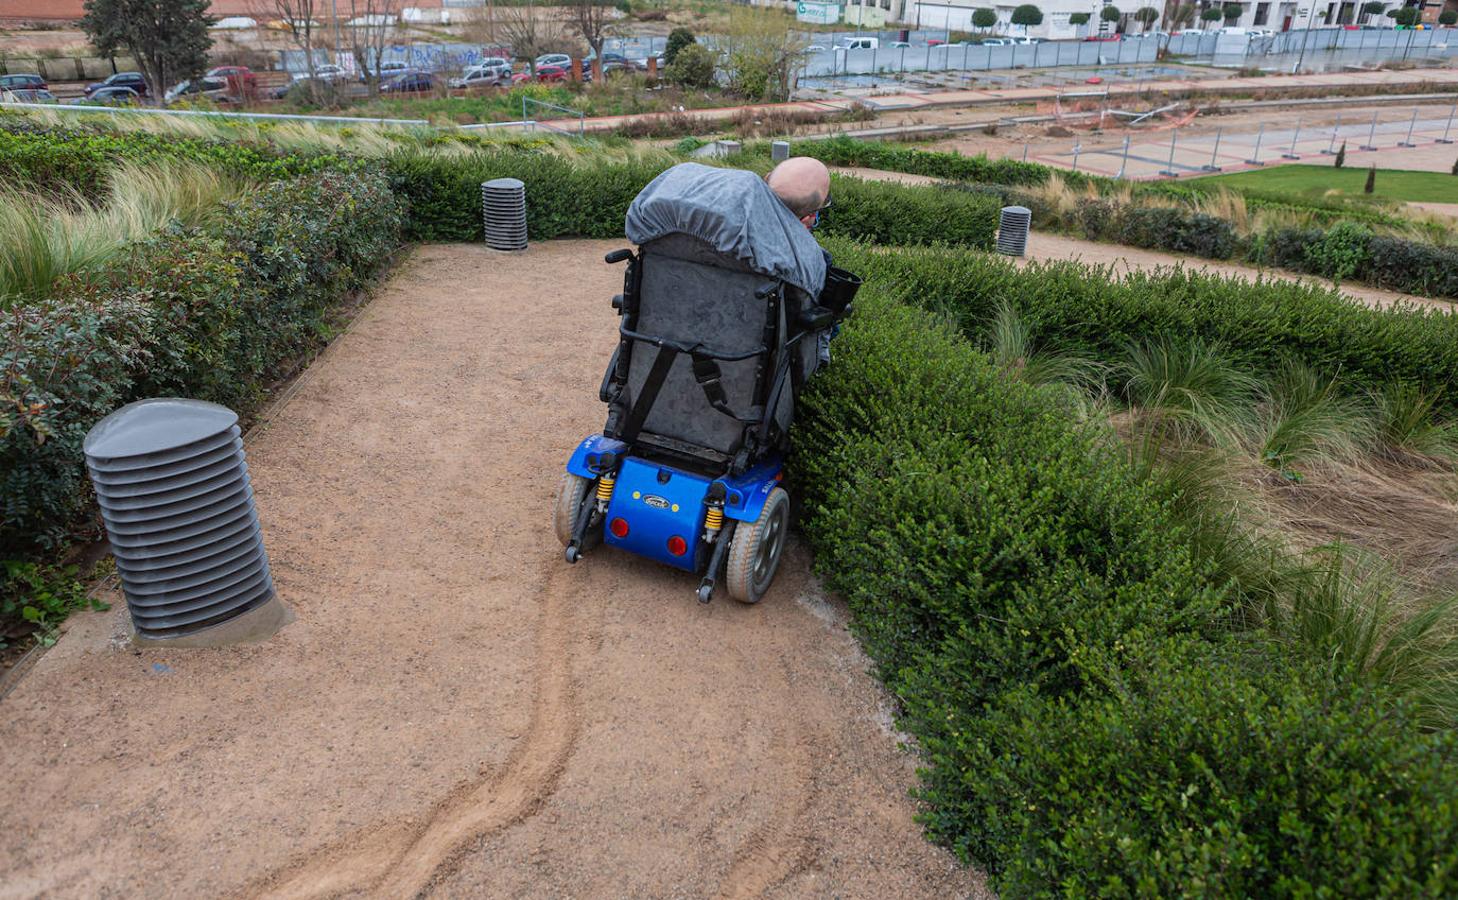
(492, 71)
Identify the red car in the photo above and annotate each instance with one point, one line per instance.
(544, 73)
(240, 75)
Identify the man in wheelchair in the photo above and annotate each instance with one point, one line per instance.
(722, 311)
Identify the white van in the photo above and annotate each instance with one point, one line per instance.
(862, 43)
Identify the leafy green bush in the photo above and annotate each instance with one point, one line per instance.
(1091, 719)
(209, 315)
(692, 68)
(883, 213)
(54, 160)
(1180, 230)
(1081, 310)
(1426, 269)
(1341, 252)
(845, 151)
(590, 199)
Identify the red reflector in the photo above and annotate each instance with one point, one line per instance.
(677, 546)
(619, 527)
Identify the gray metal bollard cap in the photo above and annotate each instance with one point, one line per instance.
(155, 425)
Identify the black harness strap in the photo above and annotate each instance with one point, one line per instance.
(707, 374)
(645, 399)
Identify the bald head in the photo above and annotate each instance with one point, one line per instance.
(803, 183)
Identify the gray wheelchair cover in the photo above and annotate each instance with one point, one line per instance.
(734, 212)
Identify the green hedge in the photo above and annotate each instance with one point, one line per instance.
(845, 151)
(586, 198)
(211, 315)
(50, 160)
(1091, 722)
(1080, 308)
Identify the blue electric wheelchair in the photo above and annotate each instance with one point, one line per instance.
(719, 318)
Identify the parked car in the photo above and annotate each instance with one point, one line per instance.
(561, 60)
(240, 75)
(622, 62)
(112, 95)
(27, 95)
(998, 42)
(133, 80)
(392, 68)
(215, 89)
(325, 72)
(487, 74)
(900, 45)
(544, 73)
(409, 83)
(1194, 31)
(23, 81)
(1102, 37)
(862, 43)
(1027, 41)
(815, 48)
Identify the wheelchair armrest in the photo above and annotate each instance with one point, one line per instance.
(617, 256)
(609, 389)
(815, 318)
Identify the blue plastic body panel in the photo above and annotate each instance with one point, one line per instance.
(659, 502)
(749, 491)
(584, 458)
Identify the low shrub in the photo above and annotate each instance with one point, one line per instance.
(61, 159)
(210, 313)
(1417, 268)
(846, 151)
(1180, 230)
(591, 198)
(1091, 718)
(1341, 252)
(884, 213)
(1075, 308)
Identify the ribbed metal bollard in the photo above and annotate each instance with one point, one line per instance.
(1012, 230)
(503, 208)
(178, 507)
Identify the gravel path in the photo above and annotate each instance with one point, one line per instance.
(456, 712)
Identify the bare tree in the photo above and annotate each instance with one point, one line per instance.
(590, 20)
(303, 29)
(530, 31)
(372, 24)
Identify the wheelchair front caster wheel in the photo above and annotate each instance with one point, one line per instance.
(704, 591)
(573, 554)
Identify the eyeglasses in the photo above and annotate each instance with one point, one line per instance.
(816, 223)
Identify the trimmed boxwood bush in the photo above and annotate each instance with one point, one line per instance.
(1256, 323)
(846, 151)
(1180, 230)
(1090, 718)
(207, 315)
(590, 199)
(51, 160)
(884, 213)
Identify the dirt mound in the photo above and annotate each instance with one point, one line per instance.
(456, 711)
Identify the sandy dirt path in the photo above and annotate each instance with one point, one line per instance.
(456, 712)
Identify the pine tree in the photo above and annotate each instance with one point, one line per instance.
(1341, 157)
(168, 38)
(1371, 179)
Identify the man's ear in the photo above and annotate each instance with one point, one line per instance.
(808, 221)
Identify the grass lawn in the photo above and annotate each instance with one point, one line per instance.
(1392, 184)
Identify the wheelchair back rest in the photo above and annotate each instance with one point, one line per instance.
(690, 293)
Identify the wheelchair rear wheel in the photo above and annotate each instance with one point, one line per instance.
(575, 491)
(754, 553)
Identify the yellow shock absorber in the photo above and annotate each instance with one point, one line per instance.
(605, 487)
(714, 519)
